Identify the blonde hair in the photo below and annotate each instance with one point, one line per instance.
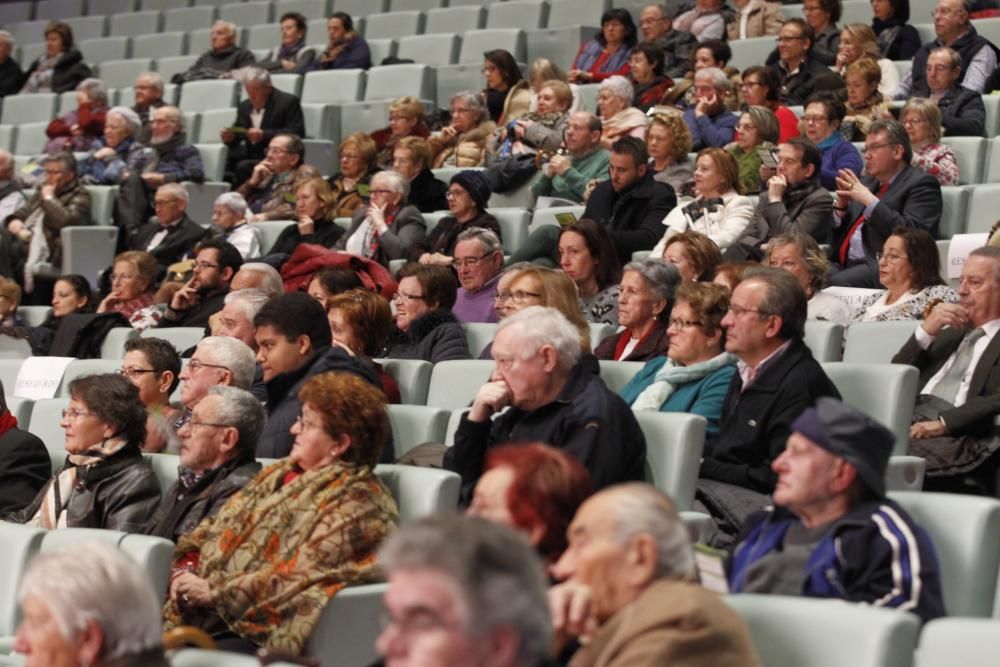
(559, 292)
(411, 107)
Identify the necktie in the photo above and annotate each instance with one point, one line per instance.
(846, 244)
(947, 388)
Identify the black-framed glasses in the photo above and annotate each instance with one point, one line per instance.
(469, 261)
(197, 422)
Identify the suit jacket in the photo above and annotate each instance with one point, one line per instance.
(282, 114)
(975, 416)
(912, 200)
(180, 240)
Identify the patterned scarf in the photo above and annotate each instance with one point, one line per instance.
(672, 375)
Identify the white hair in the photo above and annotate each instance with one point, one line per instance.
(716, 76)
(130, 117)
(175, 190)
(271, 281)
(618, 86)
(241, 410)
(251, 74)
(173, 114)
(233, 201)
(229, 25)
(96, 91)
(251, 300)
(155, 79)
(487, 238)
(94, 581)
(537, 326)
(232, 354)
(640, 508)
(394, 180)
(7, 38)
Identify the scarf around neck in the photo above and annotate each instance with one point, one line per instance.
(672, 375)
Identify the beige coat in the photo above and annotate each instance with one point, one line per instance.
(469, 148)
(765, 19)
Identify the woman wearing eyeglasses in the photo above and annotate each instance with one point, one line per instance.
(921, 119)
(694, 375)
(154, 367)
(133, 277)
(757, 128)
(425, 326)
(644, 302)
(104, 481)
(910, 270)
(385, 229)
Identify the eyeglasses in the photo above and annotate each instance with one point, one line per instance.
(939, 69)
(134, 373)
(304, 423)
(73, 413)
(739, 311)
(457, 110)
(945, 11)
(163, 202)
(518, 297)
(678, 323)
(889, 257)
(195, 422)
(452, 194)
(115, 277)
(202, 266)
(874, 147)
(913, 120)
(194, 366)
(746, 127)
(469, 261)
(812, 120)
(413, 624)
(789, 38)
(407, 298)
(381, 192)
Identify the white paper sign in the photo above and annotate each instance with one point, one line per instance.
(959, 248)
(852, 296)
(39, 377)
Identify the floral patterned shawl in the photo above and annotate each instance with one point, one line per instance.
(274, 555)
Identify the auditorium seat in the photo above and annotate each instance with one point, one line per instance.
(311, 9)
(20, 543)
(970, 153)
(393, 25)
(561, 43)
(247, 14)
(453, 79)
(31, 138)
(475, 42)
(86, 28)
(522, 14)
(345, 633)
(435, 50)
(123, 73)
(969, 642)
(162, 46)
(88, 250)
(113, 346)
(188, 19)
(180, 337)
(28, 108)
(106, 8)
(414, 425)
(455, 19)
(455, 383)
(413, 377)
(674, 443)
(479, 335)
(616, 374)
(54, 10)
(566, 13)
(824, 339)
(876, 342)
(983, 211)
(883, 391)
(513, 225)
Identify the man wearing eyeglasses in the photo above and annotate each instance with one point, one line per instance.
(215, 264)
(962, 110)
(217, 460)
(868, 208)
(655, 24)
(478, 260)
(797, 69)
(270, 189)
(953, 29)
(172, 235)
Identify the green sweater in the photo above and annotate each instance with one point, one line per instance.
(749, 163)
(571, 184)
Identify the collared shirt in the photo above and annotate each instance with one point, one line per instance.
(856, 248)
(924, 340)
(256, 117)
(749, 374)
(162, 234)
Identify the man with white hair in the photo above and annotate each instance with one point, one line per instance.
(217, 360)
(220, 60)
(236, 321)
(555, 396)
(711, 123)
(173, 234)
(627, 590)
(258, 275)
(148, 96)
(11, 75)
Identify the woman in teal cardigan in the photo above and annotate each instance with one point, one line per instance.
(694, 375)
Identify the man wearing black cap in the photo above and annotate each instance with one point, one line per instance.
(833, 533)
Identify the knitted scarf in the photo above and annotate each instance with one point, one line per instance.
(672, 375)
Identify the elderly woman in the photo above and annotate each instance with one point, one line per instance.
(620, 118)
(360, 322)
(858, 41)
(534, 489)
(468, 194)
(542, 70)
(587, 256)
(710, 53)
(10, 299)
(61, 68)
(897, 39)
(757, 128)
(759, 86)
(507, 94)
(154, 367)
(406, 119)
(121, 153)
(695, 255)
(649, 80)
(229, 214)
(357, 164)
(719, 211)
(669, 142)
(81, 128)
(535, 131)
(73, 599)
(607, 54)
(647, 294)
(412, 160)
(315, 209)
(104, 482)
(425, 327)
(909, 268)
(305, 527)
(695, 374)
(385, 229)
(463, 142)
(133, 282)
(824, 112)
(922, 120)
(292, 56)
(865, 103)
(801, 256)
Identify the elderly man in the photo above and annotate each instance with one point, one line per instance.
(777, 378)
(555, 396)
(957, 352)
(172, 235)
(953, 29)
(148, 96)
(236, 321)
(270, 189)
(293, 344)
(478, 261)
(627, 589)
(217, 460)
(704, 21)
(893, 194)
(219, 61)
(215, 264)
(797, 69)
(795, 200)
(655, 25)
(832, 532)
(11, 75)
(35, 228)
(266, 113)
(962, 110)
(710, 122)
(387, 227)
(566, 175)
(257, 275)
(216, 361)
(463, 591)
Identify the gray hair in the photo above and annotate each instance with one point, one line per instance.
(229, 25)
(94, 581)
(896, 134)
(537, 326)
(991, 252)
(232, 354)
(95, 90)
(661, 276)
(954, 57)
(173, 114)
(717, 77)
(271, 281)
(817, 265)
(473, 101)
(496, 571)
(233, 201)
(155, 79)
(618, 86)
(252, 74)
(486, 237)
(251, 299)
(930, 112)
(640, 508)
(64, 159)
(783, 297)
(7, 38)
(130, 117)
(175, 190)
(766, 122)
(241, 410)
(394, 180)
